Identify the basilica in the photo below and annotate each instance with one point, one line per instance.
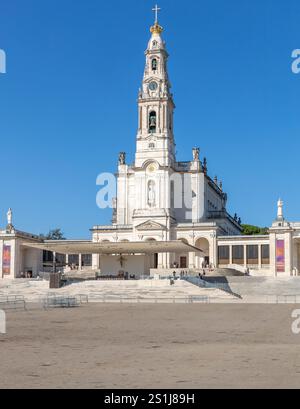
(168, 215)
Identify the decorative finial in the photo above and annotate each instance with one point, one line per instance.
(280, 210)
(156, 29)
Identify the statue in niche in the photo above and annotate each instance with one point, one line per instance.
(151, 194)
(122, 158)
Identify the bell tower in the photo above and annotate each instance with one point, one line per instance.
(155, 138)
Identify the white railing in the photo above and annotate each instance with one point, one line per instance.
(191, 299)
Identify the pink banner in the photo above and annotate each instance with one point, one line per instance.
(280, 256)
(6, 260)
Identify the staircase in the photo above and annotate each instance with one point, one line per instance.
(217, 272)
(260, 287)
(206, 283)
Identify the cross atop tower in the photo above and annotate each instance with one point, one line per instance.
(156, 10)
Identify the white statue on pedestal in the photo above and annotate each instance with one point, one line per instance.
(9, 217)
(280, 209)
(196, 154)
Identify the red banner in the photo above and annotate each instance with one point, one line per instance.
(6, 260)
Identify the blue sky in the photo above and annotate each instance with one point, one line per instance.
(68, 102)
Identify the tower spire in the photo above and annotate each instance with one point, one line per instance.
(155, 137)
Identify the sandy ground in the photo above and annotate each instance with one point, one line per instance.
(151, 346)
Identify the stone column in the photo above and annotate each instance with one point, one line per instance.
(214, 246)
(192, 261)
(54, 262)
(273, 253)
(160, 260)
(245, 255)
(288, 253)
(80, 262)
(96, 261)
(230, 255)
(259, 257)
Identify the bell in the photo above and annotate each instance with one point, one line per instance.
(152, 121)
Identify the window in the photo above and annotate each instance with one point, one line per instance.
(87, 260)
(152, 122)
(265, 254)
(224, 255)
(154, 64)
(151, 145)
(238, 254)
(252, 255)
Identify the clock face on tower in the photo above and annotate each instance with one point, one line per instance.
(153, 86)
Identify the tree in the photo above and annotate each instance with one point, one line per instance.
(249, 230)
(55, 234)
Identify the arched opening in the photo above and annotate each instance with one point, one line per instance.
(153, 258)
(202, 259)
(154, 64)
(182, 259)
(152, 122)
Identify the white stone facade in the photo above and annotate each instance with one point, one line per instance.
(159, 198)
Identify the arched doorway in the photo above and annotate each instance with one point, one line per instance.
(153, 258)
(202, 259)
(182, 259)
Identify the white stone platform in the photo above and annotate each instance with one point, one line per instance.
(145, 290)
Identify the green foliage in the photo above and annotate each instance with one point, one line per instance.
(55, 234)
(249, 230)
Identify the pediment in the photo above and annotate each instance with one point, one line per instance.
(150, 225)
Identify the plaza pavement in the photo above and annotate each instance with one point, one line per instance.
(151, 346)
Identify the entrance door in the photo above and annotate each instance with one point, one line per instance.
(156, 260)
(183, 262)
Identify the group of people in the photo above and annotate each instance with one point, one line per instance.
(121, 275)
(207, 266)
(28, 274)
(183, 273)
